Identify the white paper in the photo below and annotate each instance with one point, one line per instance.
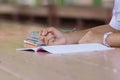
(74, 48)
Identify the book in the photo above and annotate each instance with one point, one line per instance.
(67, 49)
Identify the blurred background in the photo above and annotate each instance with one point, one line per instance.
(67, 14)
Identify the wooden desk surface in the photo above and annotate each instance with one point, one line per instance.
(18, 65)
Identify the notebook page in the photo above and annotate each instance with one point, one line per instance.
(75, 48)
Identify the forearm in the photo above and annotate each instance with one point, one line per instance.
(103, 29)
(74, 37)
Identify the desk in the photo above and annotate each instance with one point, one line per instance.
(18, 65)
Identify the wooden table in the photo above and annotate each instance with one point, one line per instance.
(18, 65)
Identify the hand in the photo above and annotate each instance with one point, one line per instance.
(91, 37)
(56, 38)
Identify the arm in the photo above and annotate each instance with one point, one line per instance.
(74, 37)
(82, 36)
(70, 37)
(93, 36)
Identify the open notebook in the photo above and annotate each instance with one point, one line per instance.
(67, 49)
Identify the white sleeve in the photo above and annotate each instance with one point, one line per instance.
(115, 21)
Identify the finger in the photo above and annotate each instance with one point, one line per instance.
(44, 32)
(41, 38)
(52, 30)
(48, 38)
(51, 41)
(55, 31)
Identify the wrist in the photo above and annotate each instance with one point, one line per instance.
(66, 38)
(71, 38)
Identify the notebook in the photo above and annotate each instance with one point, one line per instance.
(67, 49)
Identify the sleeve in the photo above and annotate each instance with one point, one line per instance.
(115, 21)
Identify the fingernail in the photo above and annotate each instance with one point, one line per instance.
(51, 32)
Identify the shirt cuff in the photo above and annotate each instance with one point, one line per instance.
(114, 23)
